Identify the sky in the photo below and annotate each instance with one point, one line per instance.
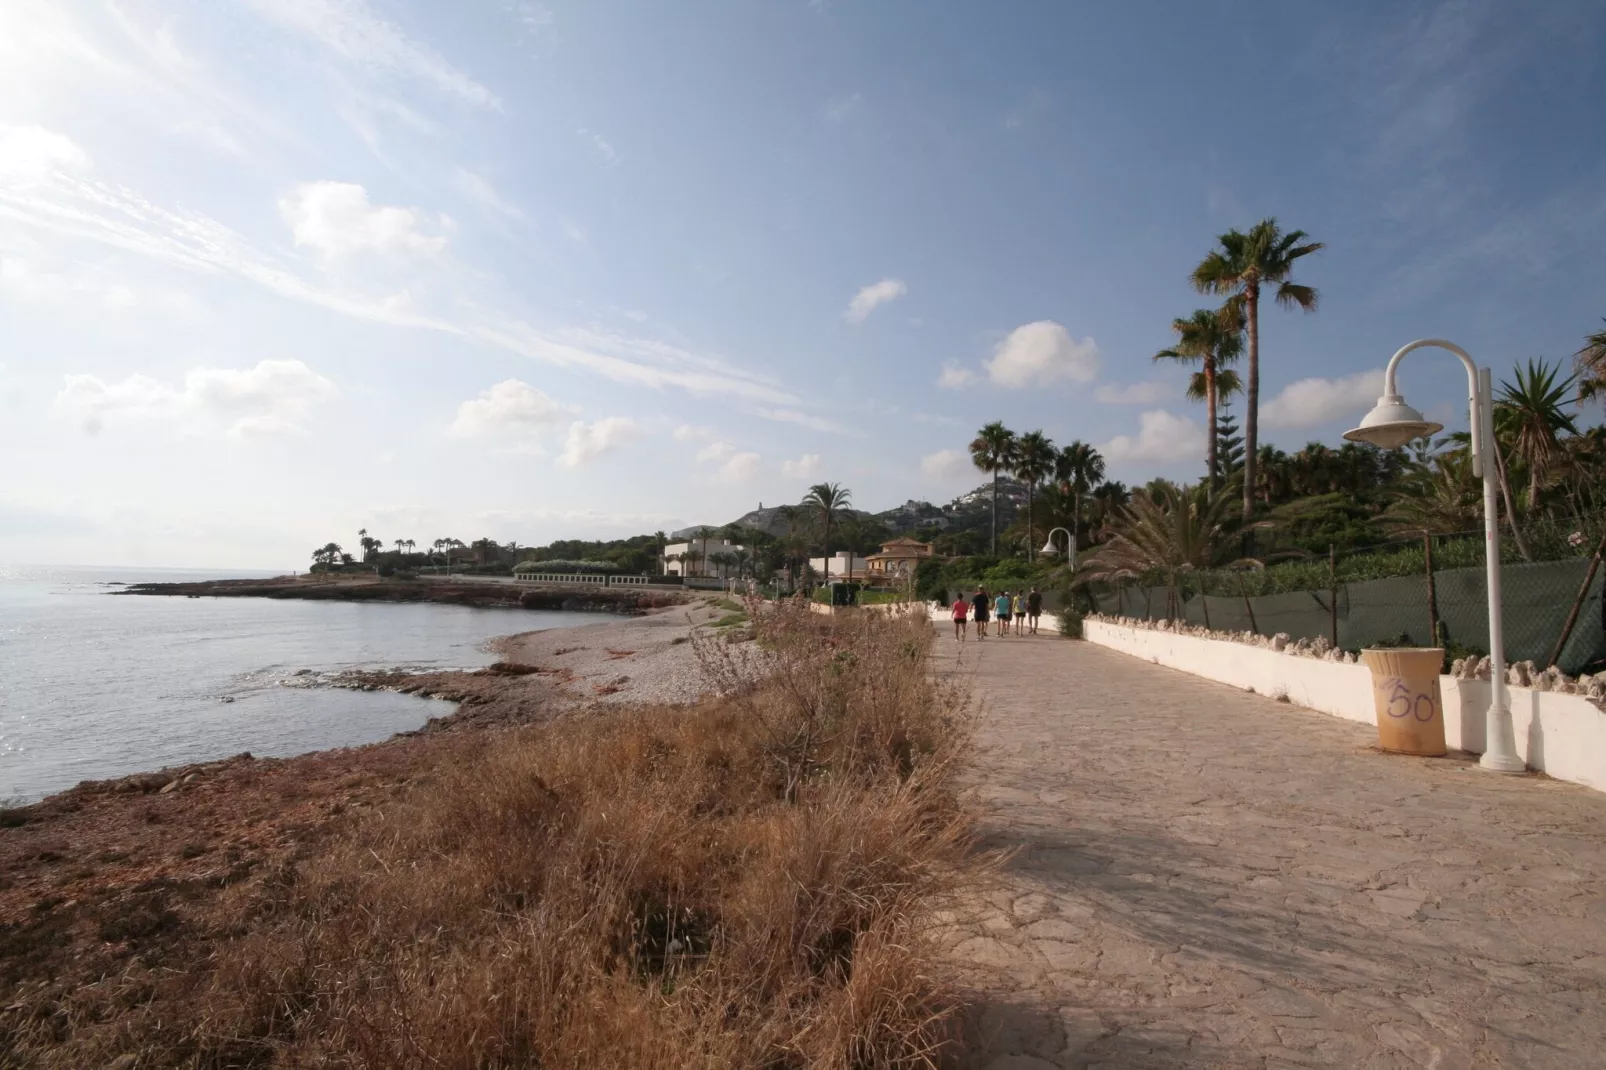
(272, 271)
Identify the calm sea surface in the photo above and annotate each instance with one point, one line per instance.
(94, 685)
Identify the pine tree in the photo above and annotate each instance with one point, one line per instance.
(1229, 443)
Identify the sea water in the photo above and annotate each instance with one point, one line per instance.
(96, 685)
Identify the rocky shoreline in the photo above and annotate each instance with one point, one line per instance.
(74, 862)
(623, 600)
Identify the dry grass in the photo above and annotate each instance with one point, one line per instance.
(741, 884)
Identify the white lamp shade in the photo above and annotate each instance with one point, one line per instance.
(1048, 547)
(1392, 423)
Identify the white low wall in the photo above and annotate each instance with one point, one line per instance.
(1561, 735)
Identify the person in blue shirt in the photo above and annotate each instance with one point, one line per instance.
(1001, 610)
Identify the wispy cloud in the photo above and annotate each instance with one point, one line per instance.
(601, 146)
(112, 215)
(272, 398)
(947, 465)
(1145, 393)
(1316, 401)
(1161, 437)
(352, 31)
(868, 299)
(954, 375)
(481, 192)
(587, 442)
(807, 466)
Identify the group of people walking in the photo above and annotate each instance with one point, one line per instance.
(1017, 611)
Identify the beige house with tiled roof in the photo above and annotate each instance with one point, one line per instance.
(897, 559)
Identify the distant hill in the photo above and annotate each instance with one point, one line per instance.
(964, 512)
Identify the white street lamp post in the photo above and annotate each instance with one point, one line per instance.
(1393, 423)
(1070, 544)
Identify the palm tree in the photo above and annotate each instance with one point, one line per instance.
(994, 451)
(1034, 462)
(401, 544)
(1439, 494)
(827, 501)
(1244, 263)
(1214, 339)
(1078, 469)
(1170, 530)
(1528, 414)
(410, 545)
(702, 535)
(1590, 362)
(663, 542)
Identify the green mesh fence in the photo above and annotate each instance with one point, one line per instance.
(1536, 598)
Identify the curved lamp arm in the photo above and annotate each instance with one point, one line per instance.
(1476, 425)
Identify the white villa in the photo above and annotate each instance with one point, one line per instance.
(844, 566)
(696, 557)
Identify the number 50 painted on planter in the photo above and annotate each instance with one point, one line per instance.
(1403, 703)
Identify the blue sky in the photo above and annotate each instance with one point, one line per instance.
(273, 270)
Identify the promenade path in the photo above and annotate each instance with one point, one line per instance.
(1205, 877)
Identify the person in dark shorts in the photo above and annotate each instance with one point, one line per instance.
(1034, 608)
(979, 607)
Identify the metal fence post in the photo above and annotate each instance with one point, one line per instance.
(1433, 590)
(1332, 593)
(1243, 589)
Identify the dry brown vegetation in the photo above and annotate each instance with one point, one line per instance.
(745, 883)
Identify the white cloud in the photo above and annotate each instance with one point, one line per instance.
(1146, 393)
(30, 283)
(336, 219)
(349, 29)
(740, 468)
(716, 451)
(481, 192)
(1316, 401)
(955, 375)
(1040, 354)
(30, 154)
(271, 398)
(947, 464)
(1161, 437)
(692, 433)
(805, 467)
(587, 442)
(877, 293)
(114, 216)
(509, 407)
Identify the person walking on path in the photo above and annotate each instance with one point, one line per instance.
(979, 605)
(1034, 608)
(1002, 611)
(1017, 607)
(961, 613)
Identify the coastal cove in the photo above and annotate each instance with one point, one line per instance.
(94, 687)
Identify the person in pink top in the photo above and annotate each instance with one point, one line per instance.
(961, 615)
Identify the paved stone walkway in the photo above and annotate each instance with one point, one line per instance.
(1205, 877)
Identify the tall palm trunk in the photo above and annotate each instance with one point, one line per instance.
(1031, 534)
(1252, 392)
(995, 513)
(1212, 464)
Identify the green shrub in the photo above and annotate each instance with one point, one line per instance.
(1070, 623)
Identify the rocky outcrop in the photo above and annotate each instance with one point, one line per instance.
(625, 600)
